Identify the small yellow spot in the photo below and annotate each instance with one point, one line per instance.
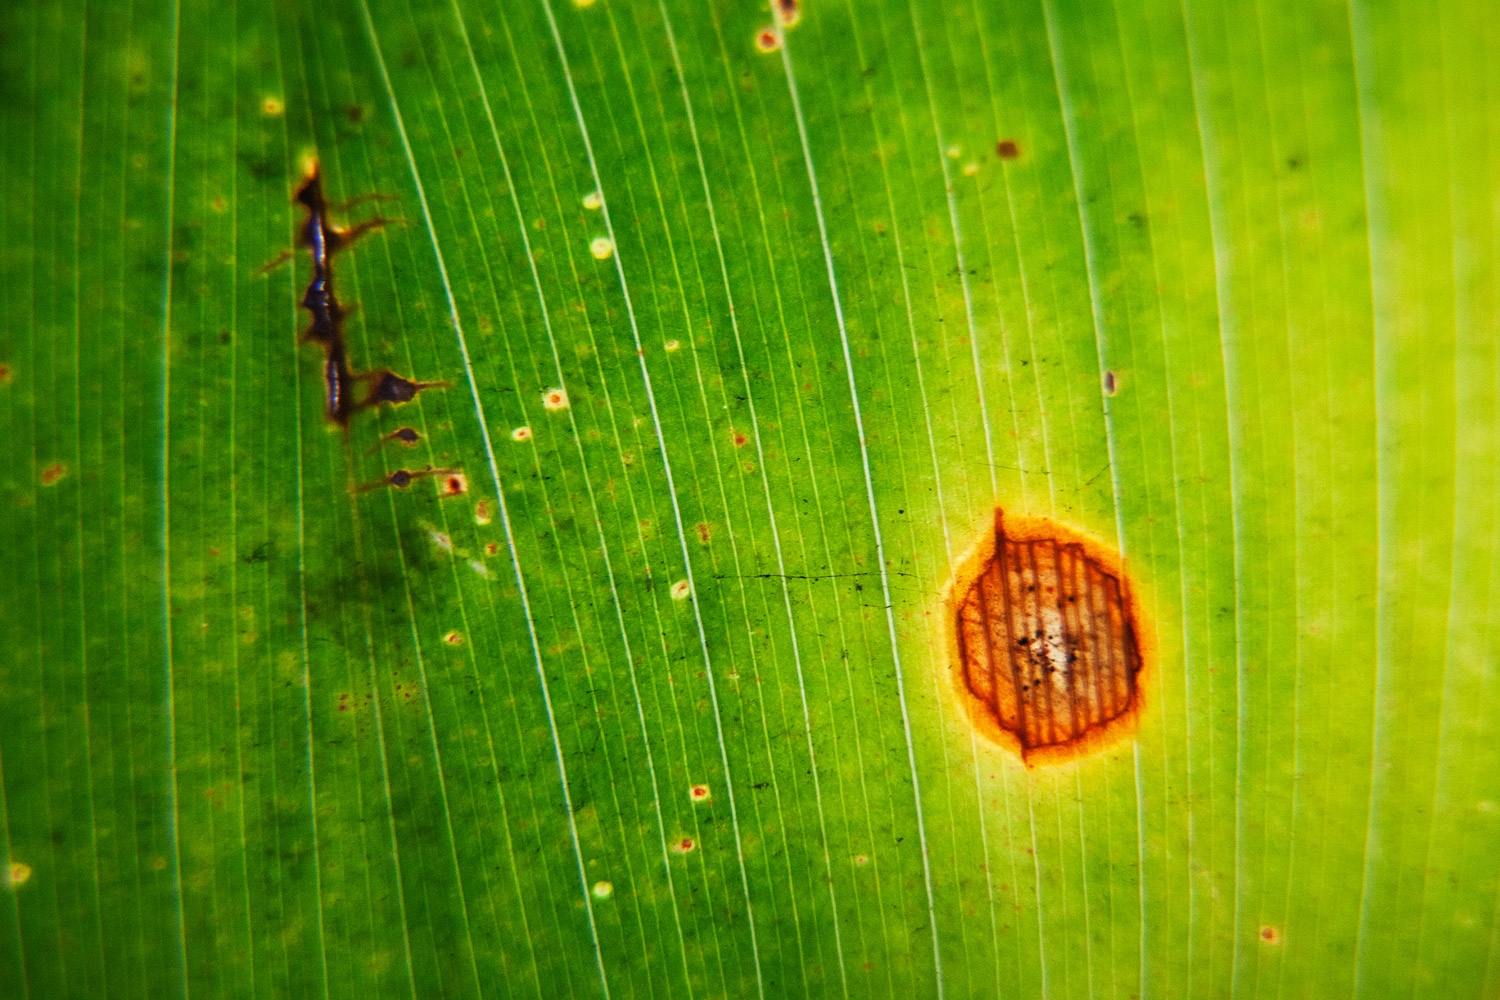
(592, 201)
(970, 169)
(680, 589)
(554, 399)
(699, 793)
(521, 434)
(954, 152)
(861, 860)
(272, 106)
(602, 890)
(158, 863)
(767, 40)
(584, 3)
(672, 345)
(601, 247)
(20, 873)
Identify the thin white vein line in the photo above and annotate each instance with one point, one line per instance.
(671, 492)
(234, 516)
(723, 497)
(166, 510)
(864, 456)
(1370, 162)
(489, 451)
(958, 250)
(83, 650)
(1457, 551)
(573, 603)
(765, 486)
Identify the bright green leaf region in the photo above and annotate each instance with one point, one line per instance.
(747, 319)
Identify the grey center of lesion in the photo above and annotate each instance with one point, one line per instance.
(1047, 640)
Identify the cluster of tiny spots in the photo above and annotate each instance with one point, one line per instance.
(350, 703)
(698, 793)
(603, 890)
(767, 40)
(680, 590)
(454, 638)
(272, 106)
(553, 399)
(592, 201)
(601, 247)
(407, 691)
(521, 434)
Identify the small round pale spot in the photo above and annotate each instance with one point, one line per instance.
(680, 590)
(272, 106)
(954, 152)
(555, 399)
(603, 890)
(20, 873)
(521, 434)
(602, 247)
(861, 859)
(672, 345)
(699, 793)
(971, 169)
(592, 201)
(767, 40)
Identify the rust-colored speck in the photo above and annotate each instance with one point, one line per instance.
(740, 440)
(52, 473)
(699, 793)
(704, 531)
(1007, 149)
(1046, 640)
(454, 638)
(5, 375)
(767, 40)
(491, 548)
(685, 845)
(1270, 935)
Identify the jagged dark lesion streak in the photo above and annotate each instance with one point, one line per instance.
(323, 241)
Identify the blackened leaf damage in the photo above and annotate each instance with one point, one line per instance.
(402, 478)
(323, 240)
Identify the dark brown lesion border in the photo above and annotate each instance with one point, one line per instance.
(987, 667)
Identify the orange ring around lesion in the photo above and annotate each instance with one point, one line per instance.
(981, 715)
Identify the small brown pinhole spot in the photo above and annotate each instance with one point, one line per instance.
(491, 548)
(861, 860)
(1111, 383)
(1007, 149)
(455, 484)
(454, 638)
(699, 793)
(767, 40)
(52, 473)
(1270, 935)
(1045, 638)
(5, 375)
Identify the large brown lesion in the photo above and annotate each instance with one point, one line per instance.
(1046, 641)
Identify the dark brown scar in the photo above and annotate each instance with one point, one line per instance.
(323, 241)
(1046, 639)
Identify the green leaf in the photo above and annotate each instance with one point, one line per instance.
(663, 704)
